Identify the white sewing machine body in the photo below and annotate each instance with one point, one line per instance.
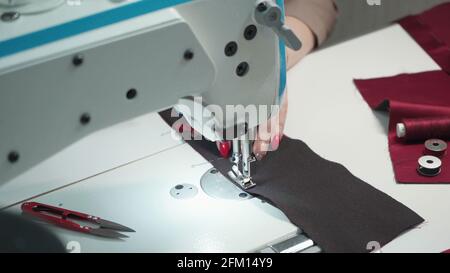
(160, 53)
(78, 85)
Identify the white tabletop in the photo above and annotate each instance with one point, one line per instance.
(326, 111)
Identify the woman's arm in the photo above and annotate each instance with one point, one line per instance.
(312, 21)
(307, 37)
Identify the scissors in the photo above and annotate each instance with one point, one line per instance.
(63, 218)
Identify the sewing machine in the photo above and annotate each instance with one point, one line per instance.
(182, 58)
(70, 70)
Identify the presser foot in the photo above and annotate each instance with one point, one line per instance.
(245, 182)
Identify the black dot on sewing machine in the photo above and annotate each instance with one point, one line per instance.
(13, 156)
(242, 69)
(262, 7)
(250, 32)
(78, 60)
(10, 16)
(131, 94)
(85, 119)
(231, 49)
(188, 55)
(179, 187)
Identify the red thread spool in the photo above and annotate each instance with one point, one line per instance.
(423, 129)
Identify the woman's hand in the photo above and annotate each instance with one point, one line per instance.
(270, 134)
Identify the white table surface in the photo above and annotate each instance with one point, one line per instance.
(326, 111)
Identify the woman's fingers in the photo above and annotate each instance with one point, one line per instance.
(275, 143)
(270, 134)
(224, 148)
(260, 148)
(268, 137)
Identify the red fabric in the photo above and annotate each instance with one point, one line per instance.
(431, 30)
(447, 251)
(418, 95)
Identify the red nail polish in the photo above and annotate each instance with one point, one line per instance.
(224, 148)
(275, 142)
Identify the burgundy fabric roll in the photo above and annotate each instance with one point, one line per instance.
(408, 96)
(431, 30)
(422, 129)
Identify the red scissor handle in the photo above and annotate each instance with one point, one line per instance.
(58, 216)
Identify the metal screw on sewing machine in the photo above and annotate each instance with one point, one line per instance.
(10, 16)
(131, 94)
(231, 49)
(262, 7)
(85, 119)
(250, 32)
(242, 69)
(13, 157)
(188, 55)
(214, 171)
(271, 15)
(78, 60)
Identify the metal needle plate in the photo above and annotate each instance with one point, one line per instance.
(217, 185)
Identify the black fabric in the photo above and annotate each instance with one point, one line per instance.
(340, 212)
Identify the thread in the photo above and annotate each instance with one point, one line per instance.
(422, 129)
(429, 166)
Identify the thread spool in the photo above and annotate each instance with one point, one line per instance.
(423, 129)
(435, 147)
(429, 166)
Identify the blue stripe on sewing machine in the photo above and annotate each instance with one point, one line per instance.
(82, 25)
(72, 28)
(283, 65)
